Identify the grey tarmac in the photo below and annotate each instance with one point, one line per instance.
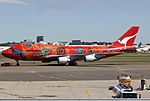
(51, 81)
(63, 73)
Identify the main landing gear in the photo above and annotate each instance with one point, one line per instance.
(72, 63)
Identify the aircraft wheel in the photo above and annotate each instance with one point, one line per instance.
(17, 64)
(72, 63)
(63, 64)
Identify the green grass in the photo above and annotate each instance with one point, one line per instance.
(114, 63)
(131, 56)
(2, 58)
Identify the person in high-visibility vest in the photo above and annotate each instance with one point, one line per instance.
(143, 83)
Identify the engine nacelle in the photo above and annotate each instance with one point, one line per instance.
(63, 60)
(90, 58)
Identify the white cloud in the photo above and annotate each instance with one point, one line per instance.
(13, 1)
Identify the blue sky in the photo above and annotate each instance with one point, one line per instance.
(64, 20)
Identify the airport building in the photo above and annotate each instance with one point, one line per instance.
(40, 39)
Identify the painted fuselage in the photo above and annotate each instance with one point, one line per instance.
(38, 52)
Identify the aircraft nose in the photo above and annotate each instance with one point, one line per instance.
(7, 53)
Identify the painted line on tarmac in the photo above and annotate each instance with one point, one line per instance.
(87, 92)
(71, 85)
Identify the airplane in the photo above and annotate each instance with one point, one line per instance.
(142, 48)
(69, 55)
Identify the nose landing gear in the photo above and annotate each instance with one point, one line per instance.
(17, 64)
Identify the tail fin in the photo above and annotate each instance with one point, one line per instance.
(127, 39)
(140, 44)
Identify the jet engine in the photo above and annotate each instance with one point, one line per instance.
(90, 58)
(63, 60)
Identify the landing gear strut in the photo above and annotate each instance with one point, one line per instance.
(72, 63)
(17, 64)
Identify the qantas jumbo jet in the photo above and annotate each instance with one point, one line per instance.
(68, 55)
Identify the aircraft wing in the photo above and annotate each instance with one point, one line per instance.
(73, 57)
(106, 54)
(78, 57)
(53, 56)
(109, 53)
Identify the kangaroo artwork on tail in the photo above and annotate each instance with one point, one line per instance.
(69, 54)
(128, 38)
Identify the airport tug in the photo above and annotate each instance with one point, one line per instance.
(124, 88)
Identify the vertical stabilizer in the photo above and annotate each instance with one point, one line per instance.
(127, 39)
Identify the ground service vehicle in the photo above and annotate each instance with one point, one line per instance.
(123, 91)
